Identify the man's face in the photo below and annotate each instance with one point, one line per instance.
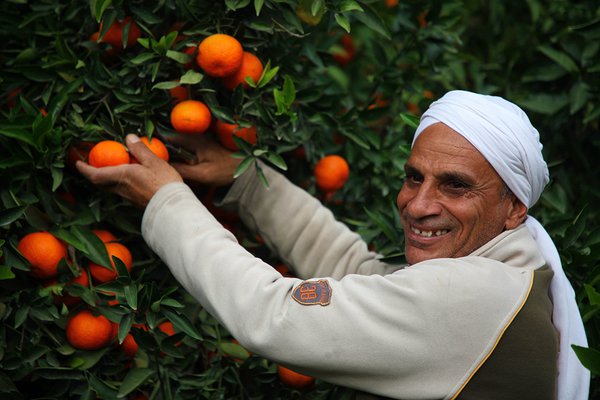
(452, 201)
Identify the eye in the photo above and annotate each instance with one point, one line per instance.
(412, 177)
(456, 186)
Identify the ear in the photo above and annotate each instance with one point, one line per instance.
(517, 212)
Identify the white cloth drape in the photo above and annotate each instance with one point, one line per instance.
(503, 134)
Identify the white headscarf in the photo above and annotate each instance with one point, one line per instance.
(502, 133)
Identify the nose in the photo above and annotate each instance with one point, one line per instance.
(419, 202)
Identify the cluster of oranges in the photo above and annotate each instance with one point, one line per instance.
(222, 57)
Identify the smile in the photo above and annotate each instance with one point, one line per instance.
(424, 233)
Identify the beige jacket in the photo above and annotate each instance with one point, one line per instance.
(418, 332)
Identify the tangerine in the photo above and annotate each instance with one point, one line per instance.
(156, 146)
(108, 153)
(104, 235)
(295, 379)
(114, 34)
(346, 54)
(86, 331)
(43, 251)
(179, 93)
(220, 55)
(331, 173)
(114, 249)
(78, 151)
(226, 132)
(190, 116)
(251, 67)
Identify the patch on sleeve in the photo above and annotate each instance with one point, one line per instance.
(309, 293)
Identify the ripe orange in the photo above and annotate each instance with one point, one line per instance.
(225, 133)
(157, 148)
(179, 93)
(114, 34)
(86, 331)
(251, 67)
(107, 153)
(295, 379)
(331, 173)
(167, 328)
(129, 345)
(348, 51)
(391, 3)
(220, 55)
(190, 116)
(43, 251)
(104, 235)
(78, 151)
(101, 274)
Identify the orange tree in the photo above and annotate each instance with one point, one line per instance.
(340, 77)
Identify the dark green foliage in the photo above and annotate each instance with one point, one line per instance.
(543, 55)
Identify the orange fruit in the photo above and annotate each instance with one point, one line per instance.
(114, 34)
(428, 94)
(104, 235)
(348, 51)
(220, 55)
(86, 331)
(179, 93)
(78, 151)
(193, 52)
(190, 116)
(226, 132)
(422, 18)
(129, 345)
(43, 251)
(251, 67)
(167, 328)
(156, 146)
(108, 153)
(101, 274)
(294, 379)
(331, 173)
(391, 3)
(66, 298)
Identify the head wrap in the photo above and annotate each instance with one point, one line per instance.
(502, 133)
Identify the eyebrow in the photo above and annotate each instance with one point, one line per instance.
(450, 176)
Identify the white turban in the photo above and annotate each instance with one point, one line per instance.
(502, 133)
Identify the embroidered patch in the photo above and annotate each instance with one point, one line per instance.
(309, 293)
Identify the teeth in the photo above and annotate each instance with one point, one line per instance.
(429, 233)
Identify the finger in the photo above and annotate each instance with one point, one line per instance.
(104, 176)
(140, 151)
(190, 172)
(189, 142)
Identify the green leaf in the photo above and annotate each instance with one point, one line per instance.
(342, 21)
(88, 243)
(191, 78)
(166, 85)
(134, 378)
(181, 323)
(374, 21)
(6, 273)
(258, 4)
(276, 160)
(21, 315)
(87, 359)
(592, 294)
(267, 75)
(350, 5)
(590, 358)
(131, 295)
(10, 215)
(98, 8)
(142, 58)
(19, 134)
(560, 58)
(410, 120)
(57, 176)
(234, 350)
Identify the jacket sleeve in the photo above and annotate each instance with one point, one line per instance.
(299, 229)
(399, 335)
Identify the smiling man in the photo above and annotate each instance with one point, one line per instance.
(483, 310)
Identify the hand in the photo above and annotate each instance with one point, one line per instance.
(213, 166)
(134, 182)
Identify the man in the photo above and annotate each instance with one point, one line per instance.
(482, 311)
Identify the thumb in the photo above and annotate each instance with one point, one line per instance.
(139, 150)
